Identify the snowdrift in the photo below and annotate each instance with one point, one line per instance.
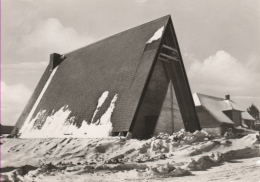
(159, 157)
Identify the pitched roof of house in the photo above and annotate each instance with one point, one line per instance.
(247, 116)
(216, 106)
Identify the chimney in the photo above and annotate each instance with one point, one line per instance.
(227, 97)
(55, 60)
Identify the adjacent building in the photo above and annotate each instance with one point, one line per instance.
(248, 120)
(216, 115)
(6, 129)
(254, 112)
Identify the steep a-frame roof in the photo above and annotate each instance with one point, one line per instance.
(120, 64)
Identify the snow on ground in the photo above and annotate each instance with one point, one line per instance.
(161, 158)
(258, 162)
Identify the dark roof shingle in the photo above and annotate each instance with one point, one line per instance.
(119, 64)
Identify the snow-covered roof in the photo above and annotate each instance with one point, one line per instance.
(247, 116)
(232, 106)
(216, 106)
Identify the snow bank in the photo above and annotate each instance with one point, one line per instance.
(59, 125)
(15, 175)
(158, 157)
(217, 158)
(184, 137)
(157, 35)
(258, 162)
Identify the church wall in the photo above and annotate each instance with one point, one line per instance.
(152, 104)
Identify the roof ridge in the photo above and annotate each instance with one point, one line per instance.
(216, 97)
(229, 102)
(169, 16)
(210, 96)
(241, 109)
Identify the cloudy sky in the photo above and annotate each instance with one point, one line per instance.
(219, 41)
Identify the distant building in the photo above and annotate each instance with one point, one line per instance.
(216, 115)
(6, 129)
(254, 112)
(133, 83)
(248, 120)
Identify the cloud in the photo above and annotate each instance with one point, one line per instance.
(28, 50)
(141, 1)
(28, 45)
(222, 73)
(50, 35)
(13, 100)
(25, 66)
(37, 38)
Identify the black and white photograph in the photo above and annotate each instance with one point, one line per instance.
(130, 90)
